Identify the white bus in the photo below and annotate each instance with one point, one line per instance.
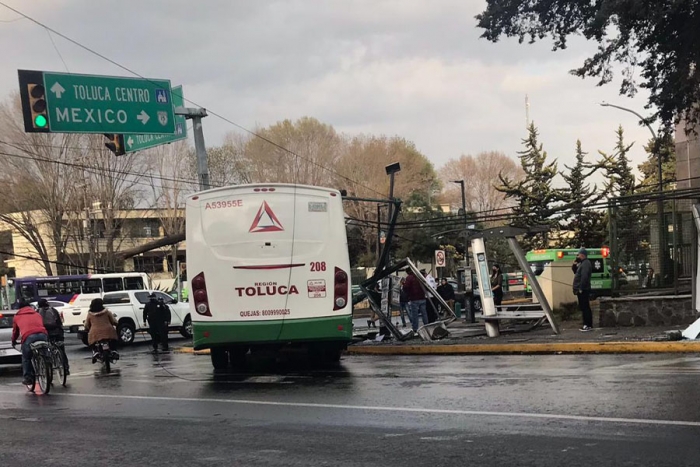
(268, 266)
(77, 291)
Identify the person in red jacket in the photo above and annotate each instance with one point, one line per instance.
(30, 325)
(416, 299)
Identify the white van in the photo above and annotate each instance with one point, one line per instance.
(268, 264)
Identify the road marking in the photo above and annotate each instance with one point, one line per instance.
(310, 405)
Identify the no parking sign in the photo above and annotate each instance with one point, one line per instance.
(440, 258)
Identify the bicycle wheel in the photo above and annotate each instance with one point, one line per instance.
(44, 375)
(60, 366)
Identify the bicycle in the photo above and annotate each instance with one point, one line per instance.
(43, 367)
(58, 362)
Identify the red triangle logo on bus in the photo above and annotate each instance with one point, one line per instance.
(265, 220)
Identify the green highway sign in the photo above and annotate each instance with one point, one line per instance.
(133, 143)
(70, 103)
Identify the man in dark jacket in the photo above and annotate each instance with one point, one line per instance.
(582, 288)
(447, 293)
(54, 325)
(157, 315)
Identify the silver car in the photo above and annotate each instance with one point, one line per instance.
(7, 353)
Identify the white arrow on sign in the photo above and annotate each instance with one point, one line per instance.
(143, 116)
(58, 89)
(130, 142)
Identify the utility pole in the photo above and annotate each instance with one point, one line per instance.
(196, 116)
(464, 213)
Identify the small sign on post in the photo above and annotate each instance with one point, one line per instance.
(440, 258)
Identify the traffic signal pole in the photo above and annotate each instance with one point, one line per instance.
(196, 116)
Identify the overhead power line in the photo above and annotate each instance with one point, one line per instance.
(216, 114)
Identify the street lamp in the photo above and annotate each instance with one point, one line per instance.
(464, 212)
(660, 201)
(655, 148)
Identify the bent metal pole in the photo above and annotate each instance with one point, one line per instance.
(483, 276)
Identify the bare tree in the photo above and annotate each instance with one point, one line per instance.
(316, 148)
(171, 181)
(36, 185)
(480, 174)
(361, 171)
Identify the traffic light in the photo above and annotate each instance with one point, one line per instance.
(37, 101)
(33, 95)
(115, 143)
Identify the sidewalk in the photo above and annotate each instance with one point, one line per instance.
(471, 339)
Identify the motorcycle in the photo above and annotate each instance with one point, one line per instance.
(104, 354)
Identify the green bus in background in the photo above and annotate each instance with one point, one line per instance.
(601, 279)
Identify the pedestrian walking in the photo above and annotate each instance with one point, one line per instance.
(497, 286)
(582, 288)
(416, 300)
(157, 315)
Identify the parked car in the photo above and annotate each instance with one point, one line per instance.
(8, 355)
(127, 307)
(52, 303)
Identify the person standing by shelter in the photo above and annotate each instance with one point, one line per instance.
(582, 288)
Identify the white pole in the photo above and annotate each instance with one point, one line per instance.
(484, 278)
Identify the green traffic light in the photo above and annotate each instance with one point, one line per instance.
(40, 121)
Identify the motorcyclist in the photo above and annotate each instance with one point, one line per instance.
(28, 324)
(54, 326)
(100, 324)
(157, 314)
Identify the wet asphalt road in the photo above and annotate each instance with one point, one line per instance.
(494, 411)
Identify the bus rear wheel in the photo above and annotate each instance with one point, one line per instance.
(219, 359)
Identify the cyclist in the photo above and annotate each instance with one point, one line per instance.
(100, 325)
(28, 324)
(54, 325)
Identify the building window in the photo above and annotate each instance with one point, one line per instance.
(148, 264)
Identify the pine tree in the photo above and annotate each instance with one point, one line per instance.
(535, 198)
(650, 168)
(587, 224)
(629, 217)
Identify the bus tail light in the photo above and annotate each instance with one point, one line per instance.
(340, 289)
(199, 295)
(605, 251)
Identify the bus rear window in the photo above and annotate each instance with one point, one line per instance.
(134, 283)
(112, 284)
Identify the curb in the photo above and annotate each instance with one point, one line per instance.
(190, 350)
(529, 349)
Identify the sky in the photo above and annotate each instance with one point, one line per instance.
(412, 68)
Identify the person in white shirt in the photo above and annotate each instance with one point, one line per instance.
(432, 301)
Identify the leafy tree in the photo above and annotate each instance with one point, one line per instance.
(587, 224)
(535, 199)
(658, 37)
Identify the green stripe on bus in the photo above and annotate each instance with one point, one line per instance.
(213, 334)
